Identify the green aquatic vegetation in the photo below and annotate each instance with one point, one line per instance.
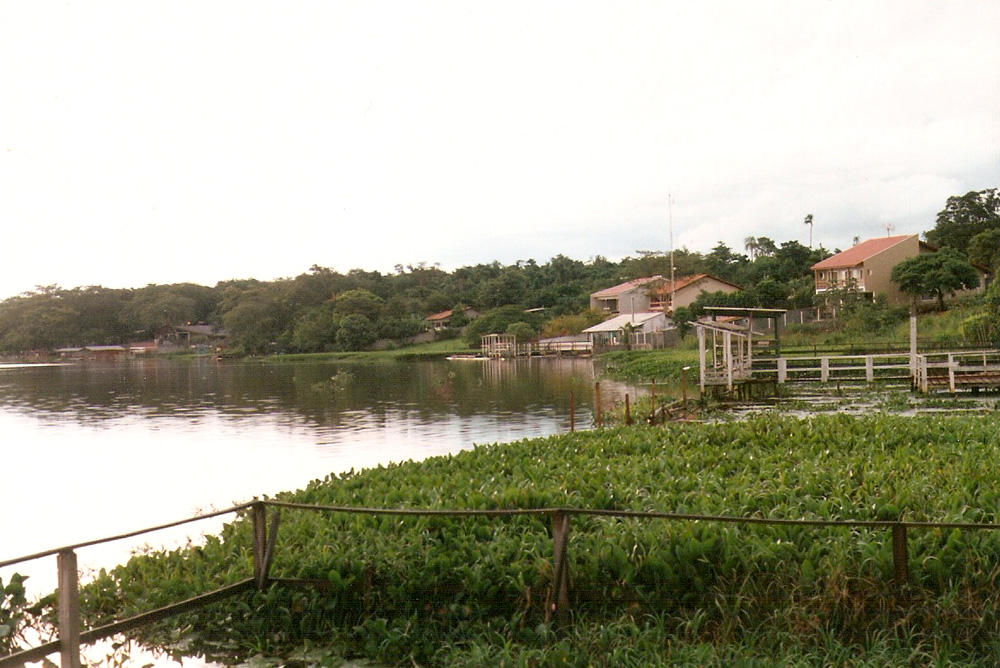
(405, 588)
(660, 365)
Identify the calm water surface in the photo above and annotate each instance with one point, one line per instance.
(92, 450)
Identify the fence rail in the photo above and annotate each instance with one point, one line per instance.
(265, 533)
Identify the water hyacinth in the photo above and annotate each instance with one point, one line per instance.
(445, 581)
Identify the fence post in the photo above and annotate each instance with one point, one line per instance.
(69, 610)
(899, 555)
(597, 403)
(951, 373)
(824, 369)
(782, 369)
(628, 411)
(258, 514)
(560, 568)
(869, 368)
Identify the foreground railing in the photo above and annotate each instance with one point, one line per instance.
(71, 635)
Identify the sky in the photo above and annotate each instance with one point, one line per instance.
(190, 141)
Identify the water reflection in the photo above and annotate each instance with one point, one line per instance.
(101, 449)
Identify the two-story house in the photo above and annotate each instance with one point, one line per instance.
(652, 293)
(867, 267)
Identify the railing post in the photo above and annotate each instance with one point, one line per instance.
(69, 610)
(899, 554)
(560, 568)
(824, 369)
(782, 369)
(869, 368)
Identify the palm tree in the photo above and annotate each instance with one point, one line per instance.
(809, 222)
(750, 244)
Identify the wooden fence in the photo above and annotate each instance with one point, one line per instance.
(832, 368)
(71, 635)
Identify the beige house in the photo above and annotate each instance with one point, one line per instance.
(867, 267)
(652, 293)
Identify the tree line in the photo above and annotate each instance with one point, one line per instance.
(326, 310)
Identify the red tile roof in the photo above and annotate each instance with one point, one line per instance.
(616, 290)
(680, 284)
(852, 257)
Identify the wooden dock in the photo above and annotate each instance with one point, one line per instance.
(927, 372)
(951, 372)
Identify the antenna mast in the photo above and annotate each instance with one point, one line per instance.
(670, 213)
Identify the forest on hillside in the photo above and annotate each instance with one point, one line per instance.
(326, 310)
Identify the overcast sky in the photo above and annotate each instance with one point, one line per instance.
(168, 141)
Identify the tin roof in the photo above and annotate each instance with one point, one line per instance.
(619, 321)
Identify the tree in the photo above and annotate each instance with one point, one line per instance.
(750, 245)
(945, 271)
(522, 330)
(964, 217)
(356, 332)
(359, 302)
(722, 262)
(984, 249)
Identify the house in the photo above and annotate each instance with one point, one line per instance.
(442, 320)
(867, 267)
(612, 332)
(652, 293)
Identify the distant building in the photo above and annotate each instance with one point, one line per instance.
(652, 293)
(93, 353)
(867, 267)
(442, 320)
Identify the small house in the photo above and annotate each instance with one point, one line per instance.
(614, 332)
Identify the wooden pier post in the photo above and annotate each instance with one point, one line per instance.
(597, 404)
(572, 411)
(69, 610)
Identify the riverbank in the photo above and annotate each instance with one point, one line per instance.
(438, 591)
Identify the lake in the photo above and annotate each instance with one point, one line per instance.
(93, 450)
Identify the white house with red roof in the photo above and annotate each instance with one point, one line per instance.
(867, 267)
(652, 293)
